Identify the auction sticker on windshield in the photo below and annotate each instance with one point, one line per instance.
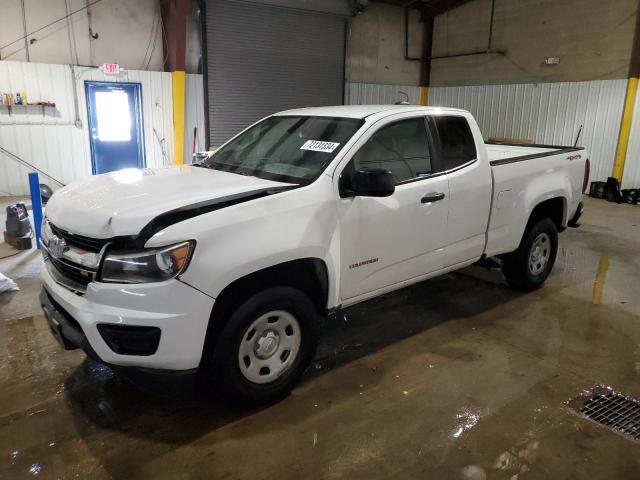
(318, 146)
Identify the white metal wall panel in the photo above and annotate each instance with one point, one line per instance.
(377, 94)
(45, 140)
(194, 115)
(631, 176)
(51, 141)
(549, 113)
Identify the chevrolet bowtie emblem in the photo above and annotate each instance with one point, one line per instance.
(57, 246)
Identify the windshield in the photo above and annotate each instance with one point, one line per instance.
(291, 149)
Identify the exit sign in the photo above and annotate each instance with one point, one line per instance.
(111, 69)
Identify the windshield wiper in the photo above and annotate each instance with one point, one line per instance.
(225, 167)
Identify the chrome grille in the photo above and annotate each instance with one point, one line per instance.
(72, 272)
(61, 279)
(86, 243)
(71, 260)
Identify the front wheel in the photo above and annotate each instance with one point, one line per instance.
(529, 266)
(264, 347)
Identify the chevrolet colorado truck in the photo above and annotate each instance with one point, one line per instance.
(224, 266)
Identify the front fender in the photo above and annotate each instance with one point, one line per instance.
(242, 239)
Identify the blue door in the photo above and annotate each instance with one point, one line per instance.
(115, 126)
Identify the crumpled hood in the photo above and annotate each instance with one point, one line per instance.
(123, 202)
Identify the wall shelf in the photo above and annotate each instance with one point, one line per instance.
(29, 106)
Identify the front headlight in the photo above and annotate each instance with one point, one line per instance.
(153, 265)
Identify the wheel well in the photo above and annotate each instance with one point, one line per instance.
(308, 275)
(552, 208)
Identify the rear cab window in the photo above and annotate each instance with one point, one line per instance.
(457, 146)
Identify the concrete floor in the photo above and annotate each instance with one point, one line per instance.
(458, 377)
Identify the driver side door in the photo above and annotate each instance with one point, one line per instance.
(386, 241)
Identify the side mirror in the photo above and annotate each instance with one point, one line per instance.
(373, 182)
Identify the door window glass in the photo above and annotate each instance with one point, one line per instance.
(401, 147)
(114, 118)
(456, 140)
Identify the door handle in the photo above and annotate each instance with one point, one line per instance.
(432, 197)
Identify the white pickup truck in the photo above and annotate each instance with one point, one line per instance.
(224, 266)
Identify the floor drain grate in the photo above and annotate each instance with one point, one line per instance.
(613, 410)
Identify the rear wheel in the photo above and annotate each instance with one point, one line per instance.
(528, 267)
(264, 346)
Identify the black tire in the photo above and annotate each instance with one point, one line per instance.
(222, 371)
(516, 265)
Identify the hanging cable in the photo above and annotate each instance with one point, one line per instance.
(155, 42)
(24, 26)
(92, 35)
(29, 165)
(49, 24)
(73, 46)
(165, 44)
(153, 39)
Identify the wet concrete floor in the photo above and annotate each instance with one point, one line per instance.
(458, 377)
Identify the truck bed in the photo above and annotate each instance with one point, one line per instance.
(552, 172)
(501, 153)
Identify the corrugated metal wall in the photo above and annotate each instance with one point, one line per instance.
(631, 177)
(51, 141)
(374, 94)
(547, 113)
(262, 59)
(193, 115)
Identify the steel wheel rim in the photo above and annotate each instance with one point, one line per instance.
(539, 254)
(269, 346)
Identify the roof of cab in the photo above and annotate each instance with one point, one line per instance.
(361, 111)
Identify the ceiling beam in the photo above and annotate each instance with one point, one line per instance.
(428, 7)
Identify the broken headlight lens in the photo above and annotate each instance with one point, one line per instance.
(153, 265)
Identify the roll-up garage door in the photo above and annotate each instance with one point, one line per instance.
(265, 58)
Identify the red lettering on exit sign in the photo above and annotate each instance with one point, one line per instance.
(111, 69)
